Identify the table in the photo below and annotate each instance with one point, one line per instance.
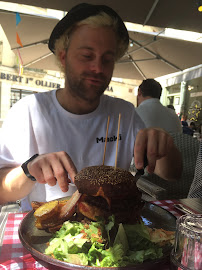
(14, 256)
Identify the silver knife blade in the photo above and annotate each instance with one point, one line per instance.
(183, 208)
(138, 174)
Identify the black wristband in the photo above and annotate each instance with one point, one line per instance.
(25, 169)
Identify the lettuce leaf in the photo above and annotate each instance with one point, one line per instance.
(93, 244)
(121, 239)
(141, 247)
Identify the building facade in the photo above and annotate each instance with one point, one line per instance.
(184, 91)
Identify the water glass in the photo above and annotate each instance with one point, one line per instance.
(187, 251)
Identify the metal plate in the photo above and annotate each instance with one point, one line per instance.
(35, 241)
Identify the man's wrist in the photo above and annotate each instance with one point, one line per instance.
(25, 169)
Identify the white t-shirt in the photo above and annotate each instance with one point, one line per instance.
(38, 124)
(154, 114)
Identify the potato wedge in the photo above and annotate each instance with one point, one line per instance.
(47, 210)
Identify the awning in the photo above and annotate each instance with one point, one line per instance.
(34, 32)
(151, 55)
(177, 14)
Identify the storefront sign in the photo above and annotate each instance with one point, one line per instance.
(196, 94)
(109, 89)
(28, 80)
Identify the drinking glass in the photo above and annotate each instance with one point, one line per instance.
(187, 251)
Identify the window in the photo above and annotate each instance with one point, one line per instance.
(17, 94)
(177, 100)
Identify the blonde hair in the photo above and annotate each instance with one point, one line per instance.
(101, 19)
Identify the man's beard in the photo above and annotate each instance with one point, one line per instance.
(79, 87)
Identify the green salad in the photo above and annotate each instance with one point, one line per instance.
(103, 245)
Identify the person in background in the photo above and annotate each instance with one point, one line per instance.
(152, 112)
(64, 130)
(170, 106)
(192, 125)
(196, 186)
(184, 120)
(186, 128)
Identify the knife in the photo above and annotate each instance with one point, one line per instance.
(183, 208)
(140, 172)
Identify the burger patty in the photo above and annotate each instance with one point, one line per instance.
(125, 210)
(97, 201)
(116, 205)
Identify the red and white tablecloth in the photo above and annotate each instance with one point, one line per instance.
(14, 256)
(169, 206)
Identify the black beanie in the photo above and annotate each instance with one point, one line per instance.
(81, 12)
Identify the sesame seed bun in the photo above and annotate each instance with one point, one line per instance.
(114, 182)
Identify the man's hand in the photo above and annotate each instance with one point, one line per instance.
(53, 167)
(157, 144)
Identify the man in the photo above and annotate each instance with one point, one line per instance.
(152, 112)
(64, 130)
(186, 129)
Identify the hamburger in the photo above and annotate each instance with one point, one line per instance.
(106, 191)
(102, 191)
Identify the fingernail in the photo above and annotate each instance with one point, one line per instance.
(151, 169)
(65, 189)
(139, 165)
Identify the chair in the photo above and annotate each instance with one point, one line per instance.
(154, 187)
(10, 207)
